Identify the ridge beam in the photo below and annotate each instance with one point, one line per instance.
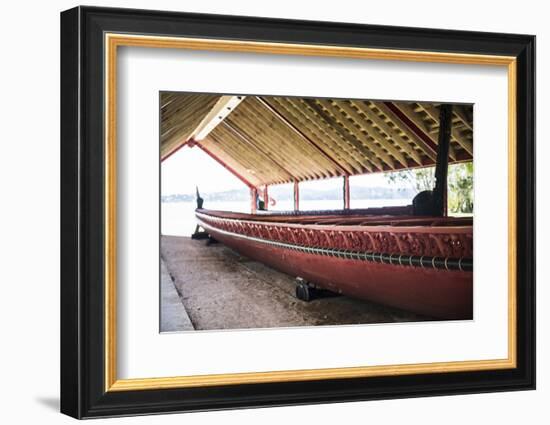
(223, 107)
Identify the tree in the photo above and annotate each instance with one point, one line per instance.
(461, 188)
(460, 184)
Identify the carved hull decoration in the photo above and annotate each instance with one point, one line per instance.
(420, 264)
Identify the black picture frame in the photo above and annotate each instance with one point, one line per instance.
(83, 392)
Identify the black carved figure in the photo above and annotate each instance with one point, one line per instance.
(200, 201)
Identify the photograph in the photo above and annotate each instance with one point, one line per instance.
(268, 211)
(282, 211)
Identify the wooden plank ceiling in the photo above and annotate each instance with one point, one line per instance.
(272, 140)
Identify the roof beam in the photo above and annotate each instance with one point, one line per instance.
(466, 144)
(363, 139)
(231, 150)
(413, 116)
(179, 116)
(223, 107)
(460, 112)
(307, 119)
(363, 150)
(422, 140)
(244, 139)
(339, 168)
(383, 125)
(385, 143)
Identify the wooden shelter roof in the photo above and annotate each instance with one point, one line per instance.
(268, 140)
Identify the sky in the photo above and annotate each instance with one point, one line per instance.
(190, 167)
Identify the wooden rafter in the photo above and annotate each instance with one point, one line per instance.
(216, 114)
(226, 144)
(294, 129)
(462, 141)
(343, 123)
(421, 140)
(180, 115)
(390, 132)
(373, 132)
(361, 149)
(307, 118)
(412, 115)
(223, 107)
(279, 141)
(462, 115)
(254, 146)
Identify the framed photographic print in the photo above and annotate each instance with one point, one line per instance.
(261, 212)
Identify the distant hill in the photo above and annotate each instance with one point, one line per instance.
(280, 194)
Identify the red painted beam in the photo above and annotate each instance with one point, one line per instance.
(169, 154)
(415, 129)
(226, 166)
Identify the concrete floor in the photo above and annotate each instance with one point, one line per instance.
(219, 289)
(173, 316)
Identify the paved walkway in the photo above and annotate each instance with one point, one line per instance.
(222, 290)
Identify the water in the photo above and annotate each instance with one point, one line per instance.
(178, 218)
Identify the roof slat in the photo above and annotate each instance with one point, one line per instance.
(315, 132)
(266, 130)
(391, 133)
(302, 136)
(344, 147)
(418, 120)
(343, 121)
(369, 128)
(361, 149)
(428, 149)
(462, 141)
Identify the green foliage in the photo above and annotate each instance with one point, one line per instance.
(418, 179)
(460, 182)
(460, 197)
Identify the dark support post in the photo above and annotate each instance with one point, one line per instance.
(442, 164)
(346, 193)
(253, 200)
(296, 197)
(266, 198)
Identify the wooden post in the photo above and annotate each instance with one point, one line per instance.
(296, 197)
(266, 198)
(346, 193)
(253, 200)
(442, 164)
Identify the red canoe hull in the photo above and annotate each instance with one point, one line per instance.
(438, 293)
(423, 265)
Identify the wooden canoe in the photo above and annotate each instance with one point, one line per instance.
(420, 264)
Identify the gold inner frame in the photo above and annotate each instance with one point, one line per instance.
(113, 41)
